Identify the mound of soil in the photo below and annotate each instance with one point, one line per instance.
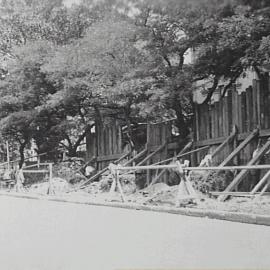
(58, 185)
(205, 181)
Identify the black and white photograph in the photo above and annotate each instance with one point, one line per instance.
(134, 134)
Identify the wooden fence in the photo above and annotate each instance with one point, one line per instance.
(105, 143)
(245, 109)
(158, 135)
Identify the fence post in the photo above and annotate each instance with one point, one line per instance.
(50, 190)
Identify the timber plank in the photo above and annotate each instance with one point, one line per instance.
(239, 113)
(240, 176)
(108, 157)
(267, 102)
(101, 172)
(259, 104)
(230, 115)
(111, 130)
(254, 103)
(196, 108)
(119, 139)
(236, 193)
(225, 117)
(152, 154)
(261, 182)
(216, 120)
(184, 150)
(139, 155)
(234, 108)
(227, 141)
(244, 111)
(249, 108)
(240, 147)
(208, 122)
(220, 122)
(212, 115)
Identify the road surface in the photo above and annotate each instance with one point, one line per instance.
(39, 234)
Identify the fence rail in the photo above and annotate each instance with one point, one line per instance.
(174, 166)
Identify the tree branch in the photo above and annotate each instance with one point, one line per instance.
(212, 89)
(232, 81)
(167, 60)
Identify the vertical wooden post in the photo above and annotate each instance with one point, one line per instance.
(229, 112)
(51, 171)
(38, 161)
(148, 162)
(118, 184)
(244, 111)
(197, 129)
(254, 103)
(116, 181)
(239, 113)
(249, 108)
(110, 133)
(258, 100)
(50, 190)
(226, 131)
(220, 118)
(185, 188)
(234, 107)
(119, 139)
(267, 102)
(8, 158)
(197, 133)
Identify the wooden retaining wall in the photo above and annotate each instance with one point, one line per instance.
(106, 144)
(158, 135)
(109, 145)
(247, 110)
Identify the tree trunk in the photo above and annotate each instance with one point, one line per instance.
(72, 151)
(21, 151)
(180, 121)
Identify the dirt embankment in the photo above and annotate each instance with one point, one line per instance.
(159, 194)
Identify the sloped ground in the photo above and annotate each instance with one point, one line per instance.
(166, 196)
(158, 194)
(58, 185)
(161, 194)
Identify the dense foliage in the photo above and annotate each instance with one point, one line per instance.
(64, 67)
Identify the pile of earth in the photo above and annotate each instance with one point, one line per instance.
(205, 181)
(58, 186)
(70, 170)
(104, 185)
(260, 206)
(151, 193)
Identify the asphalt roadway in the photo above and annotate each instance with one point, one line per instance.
(41, 234)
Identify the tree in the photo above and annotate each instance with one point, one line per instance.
(124, 59)
(231, 43)
(105, 66)
(227, 37)
(31, 31)
(19, 127)
(23, 92)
